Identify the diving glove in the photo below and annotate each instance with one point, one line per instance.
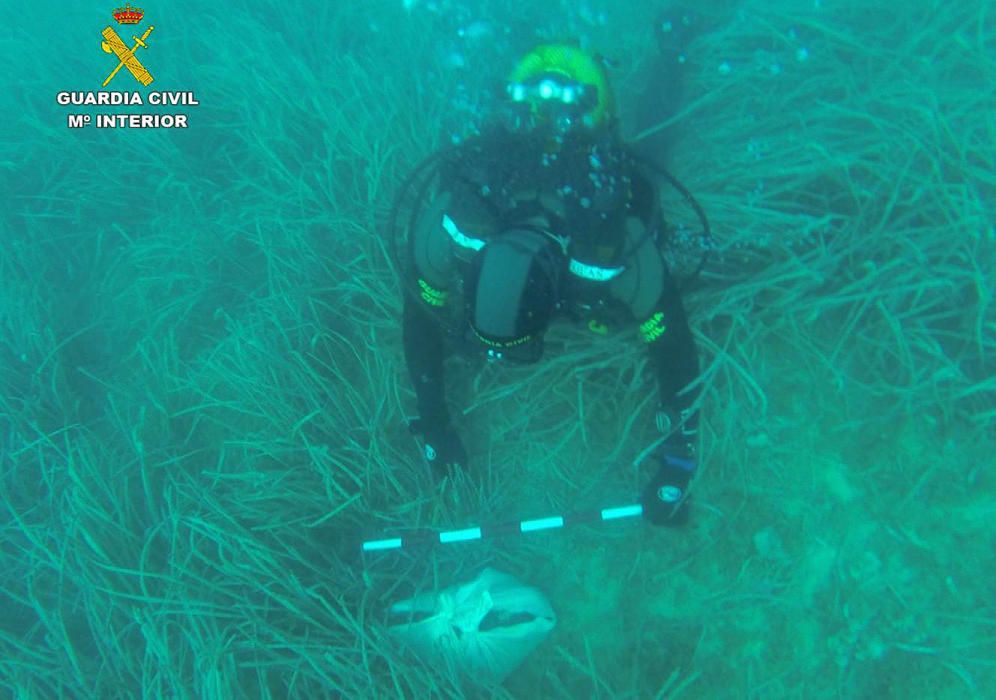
(442, 447)
(665, 499)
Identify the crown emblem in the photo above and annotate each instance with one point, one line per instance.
(128, 14)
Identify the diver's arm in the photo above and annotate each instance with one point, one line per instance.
(423, 331)
(652, 296)
(673, 357)
(425, 345)
(654, 300)
(424, 353)
(426, 305)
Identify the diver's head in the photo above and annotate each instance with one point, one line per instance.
(561, 89)
(512, 291)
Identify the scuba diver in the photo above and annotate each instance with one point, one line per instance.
(545, 215)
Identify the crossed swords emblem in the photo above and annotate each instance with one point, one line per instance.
(112, 44)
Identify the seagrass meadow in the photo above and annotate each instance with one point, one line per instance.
(203, 395)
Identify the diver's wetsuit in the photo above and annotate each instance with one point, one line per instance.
(588, 190)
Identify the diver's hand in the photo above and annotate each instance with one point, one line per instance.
(442, 447)
(665, 499)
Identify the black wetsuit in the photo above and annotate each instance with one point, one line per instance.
(590, 190)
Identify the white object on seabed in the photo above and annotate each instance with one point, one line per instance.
(481, 630)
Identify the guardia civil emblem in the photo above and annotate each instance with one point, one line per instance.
(113, 44)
